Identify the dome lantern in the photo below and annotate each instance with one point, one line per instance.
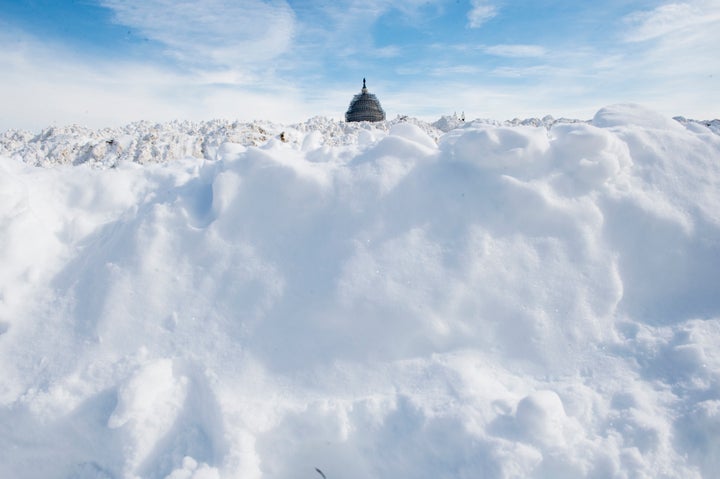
(364, 107)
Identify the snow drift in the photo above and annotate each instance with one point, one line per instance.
(501, 300)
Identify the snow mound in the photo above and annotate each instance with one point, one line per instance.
(145, 142)
(700, 126)
(373, 300)
(631, 114)
(451, 122)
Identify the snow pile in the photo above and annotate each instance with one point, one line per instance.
(508, 301)
(451, 122)
(145, 142)
(697, 125)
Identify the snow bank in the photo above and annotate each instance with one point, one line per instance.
(144, 142)
(502, 300)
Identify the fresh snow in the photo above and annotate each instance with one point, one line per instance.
(533, 298)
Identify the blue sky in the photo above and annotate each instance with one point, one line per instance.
(109, 62)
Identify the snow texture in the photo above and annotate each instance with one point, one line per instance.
(471, 299)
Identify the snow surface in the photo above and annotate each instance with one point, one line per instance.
(374, 300)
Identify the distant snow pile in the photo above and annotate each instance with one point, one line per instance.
(146, 142)
(451, 122)
(498, 301)
(713, 125)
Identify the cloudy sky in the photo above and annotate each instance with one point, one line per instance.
(109, 62)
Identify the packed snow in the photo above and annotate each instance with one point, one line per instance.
(466, 299)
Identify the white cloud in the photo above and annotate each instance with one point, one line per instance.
(673, 48)
(390, 51)
(211, 32)
(446, 71)
(502, 102)
(44, 84)
(671, 18)
(481, 12)
(538, 71)
(350, 9)
(516, 51)
(342, 30)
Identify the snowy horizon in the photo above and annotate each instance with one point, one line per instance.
(150, 142)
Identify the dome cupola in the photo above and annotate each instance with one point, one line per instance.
(365, 107)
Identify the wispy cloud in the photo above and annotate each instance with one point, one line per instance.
(390, 51)
(212, 32)
(516, 51)
(448, 71)
(538, 71)
(674, 47)
(44, 83)
(671, 18)
(481, 12)
(374, 8)
(342, 29)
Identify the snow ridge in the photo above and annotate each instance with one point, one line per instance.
(145, 142)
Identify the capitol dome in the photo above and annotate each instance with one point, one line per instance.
(365, 107)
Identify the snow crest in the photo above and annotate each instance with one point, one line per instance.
(144, 142)
(372, 300)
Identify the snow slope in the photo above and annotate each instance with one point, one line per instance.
(501, 300)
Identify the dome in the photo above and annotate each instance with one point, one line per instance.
(365, 107)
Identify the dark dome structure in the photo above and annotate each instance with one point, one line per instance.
(365, 107)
